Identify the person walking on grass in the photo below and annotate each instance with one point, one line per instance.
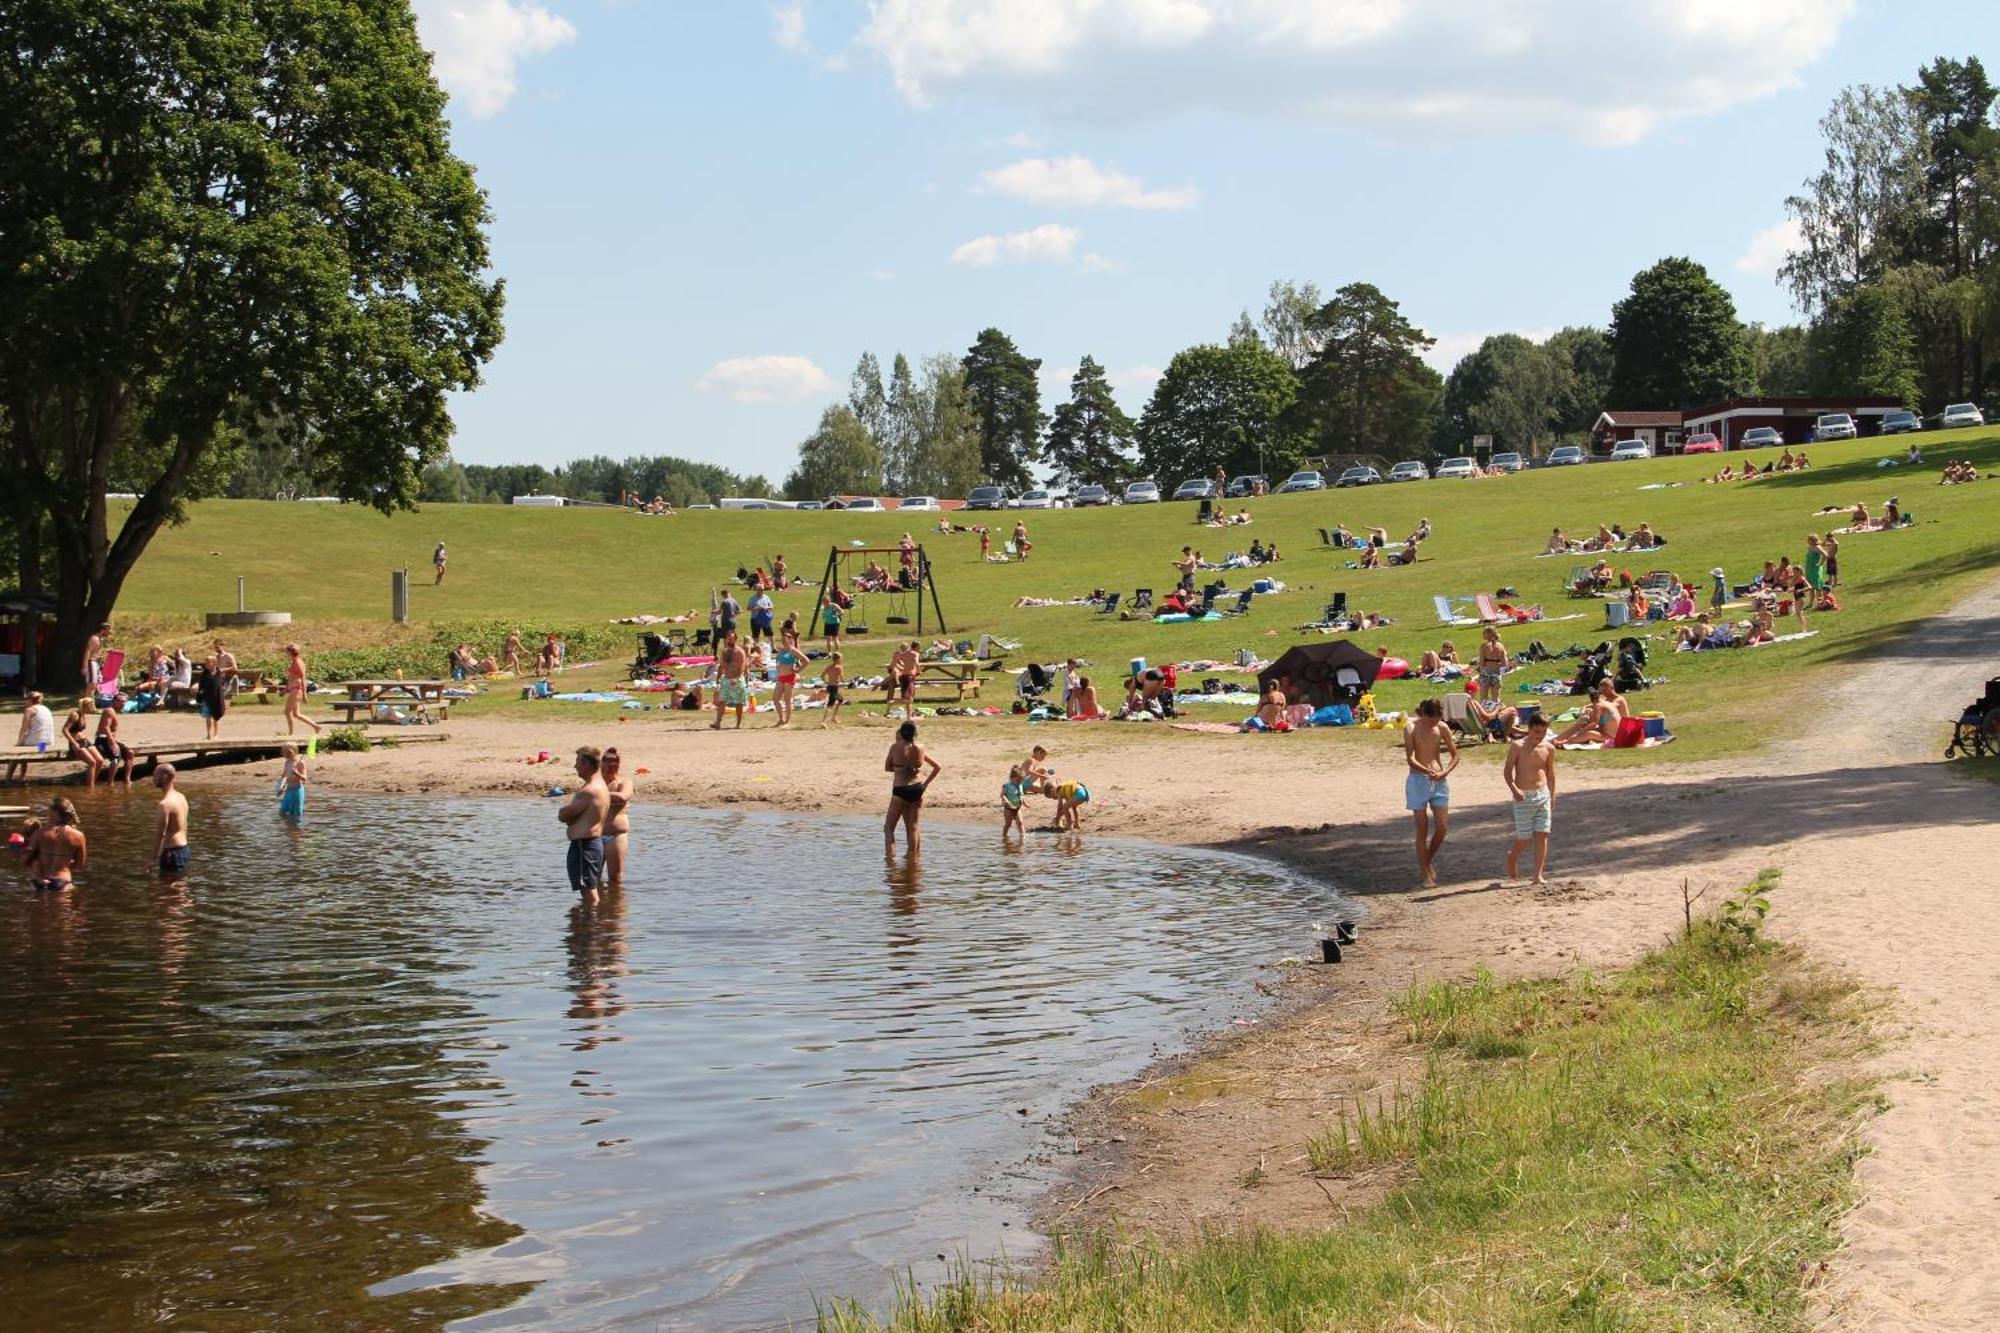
(170, 851)
(906, 794)
(295, 689)
(731, 689)
(1431, 753)
(1530, 773)
(437, 565)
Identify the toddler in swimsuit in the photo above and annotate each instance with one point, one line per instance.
(1012, 793)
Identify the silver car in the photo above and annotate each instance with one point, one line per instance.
(1961, 414)
(1142, 493)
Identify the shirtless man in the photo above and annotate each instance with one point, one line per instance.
(93, 660)
(1492, 664)
(171, 852)
(58, 850)
(1530, 772)
(1185, 565)
(903, 681)
(225, 662)
(584, 816)
(1431, 753)
(906, 794)
(731, 690)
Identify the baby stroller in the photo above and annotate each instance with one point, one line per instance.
(1631, 665)
(1977, 731)
(1034, 683)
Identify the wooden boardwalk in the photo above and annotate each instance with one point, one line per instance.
(195, 752)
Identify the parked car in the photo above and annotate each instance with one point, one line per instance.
(809, 504)
(919, 502)
(1409, 470)
(1251, 485)
(1901, 422)
(1306, 480)
(1762, 437)
(1092, 494)
(1702, 442)
(1508, 462)
(1627, 451)
(1567, 455)
(1037, 500)
(1960, 414)
(1834, 426)
(1142, 493)
(986, 497)
(864, 502)
(1195, 488)
(1359, 476)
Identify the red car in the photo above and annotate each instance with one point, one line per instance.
(1702, 442)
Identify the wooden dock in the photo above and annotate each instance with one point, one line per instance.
(196, 752)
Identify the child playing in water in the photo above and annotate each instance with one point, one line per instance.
(1013, 792)
(292, 786)
(1070, 797)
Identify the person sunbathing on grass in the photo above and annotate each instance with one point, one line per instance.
(1558, 544)
(1693, 636)
(1761, 630)
(1599, 723)
(1371, 558)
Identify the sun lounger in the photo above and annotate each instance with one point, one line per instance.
(1447, 610)
(1488, 613)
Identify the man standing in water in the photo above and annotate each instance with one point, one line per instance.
(1530, 771)
(1431, 754)
(585, 815)
(58, 851)
(731, 691)
(172, 850)
(906, 794)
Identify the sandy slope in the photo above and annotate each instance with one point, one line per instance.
(1889, 866)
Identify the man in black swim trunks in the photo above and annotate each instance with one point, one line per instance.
(585, 815)
(172, 850)
(906, 794)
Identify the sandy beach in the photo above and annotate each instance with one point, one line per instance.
(1878, 841)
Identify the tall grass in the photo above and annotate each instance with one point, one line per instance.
(1660, 1149)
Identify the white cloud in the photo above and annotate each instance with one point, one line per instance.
(1395, 69)
(477, 46)
(1081, 183)
(1050, 243)
(1092, 262)
(1138, 377)
(1452, 348)
(788, 25)
(766, 379)
(1769, 247)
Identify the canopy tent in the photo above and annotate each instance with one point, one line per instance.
(1335, 672)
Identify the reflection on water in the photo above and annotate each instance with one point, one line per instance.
(383, 1071)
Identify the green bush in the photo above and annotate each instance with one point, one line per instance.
(429, 657)
(345, 738)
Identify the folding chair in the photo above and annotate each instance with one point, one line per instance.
(1142, 599)
(701, 638)
(1110, 604)
(108, 671)
(1489, 613)
(1458, 716)
(1337, 608)
(1326, 538)
(1207, 602)
(1242, 602)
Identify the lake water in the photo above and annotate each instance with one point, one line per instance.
(381, 1071)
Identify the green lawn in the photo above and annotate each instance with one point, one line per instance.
(329, 565)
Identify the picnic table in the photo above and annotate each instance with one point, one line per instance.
(366, 696)
(955, 681)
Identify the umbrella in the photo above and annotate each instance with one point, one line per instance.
(1336, 672)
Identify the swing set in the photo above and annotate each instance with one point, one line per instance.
(898, 593)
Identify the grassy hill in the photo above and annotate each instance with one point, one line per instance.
(329, 565)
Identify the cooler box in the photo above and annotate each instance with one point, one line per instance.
(1656, 725)
(1528, 712)
(1138, 666)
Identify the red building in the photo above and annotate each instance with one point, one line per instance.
(1662, 430)
(1790, 417)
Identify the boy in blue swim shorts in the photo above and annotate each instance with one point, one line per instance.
(1432, 754)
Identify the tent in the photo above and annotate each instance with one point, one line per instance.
(1335, 672)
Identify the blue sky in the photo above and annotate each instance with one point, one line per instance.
(705, 212)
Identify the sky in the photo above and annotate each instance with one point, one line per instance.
(706, 210)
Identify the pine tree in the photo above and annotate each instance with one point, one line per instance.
(1006, 396)
(1090, 437)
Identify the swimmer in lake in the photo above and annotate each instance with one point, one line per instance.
(618, 831)
(170, 853)
(584, 816)
(906, 793)
(58, 850)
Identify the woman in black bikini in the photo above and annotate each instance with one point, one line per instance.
(906, 794)
(75, 731)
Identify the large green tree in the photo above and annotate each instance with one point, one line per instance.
(838, 458)
(1780, 361)
(1289, 311)
(1220, 407)
(212, 213)
(1676, 342)
(1510, 388)
(1366, 389)
(1861, 344)
(1861, 204)
(1090, 437)
(1005, 390)
(945, 451)
(1586, 352)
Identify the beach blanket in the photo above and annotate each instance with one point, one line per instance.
(1651, 742)
(592, 697)
(1181, 617)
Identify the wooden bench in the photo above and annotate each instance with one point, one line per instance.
(949, 681)
(363, 710)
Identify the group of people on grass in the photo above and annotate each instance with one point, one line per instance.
(1785, 462)
(1608, 537)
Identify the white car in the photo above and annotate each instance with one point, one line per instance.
(1036, 500)
(1143, 493)
(918, 502)
(1629, 451)
(1456, 467)
(1834, 426)
(1409, 470)
(865, 502)
(1961, 414)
